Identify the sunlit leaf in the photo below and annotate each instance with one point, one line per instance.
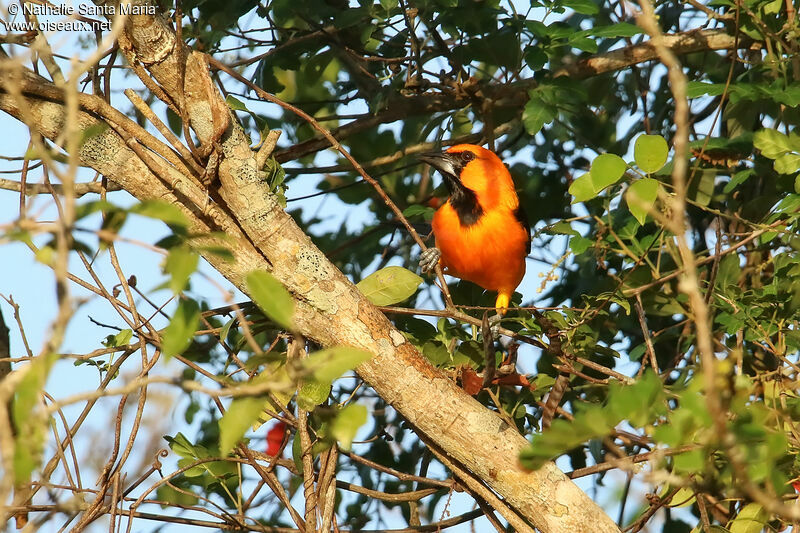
(700, 88)
(276, 372)
(120, 339)
(327, 365)
(683, 498)
(787, 163)
(30, 426)
(271, 297)
(584, 7)
(312, 394)
(641, 197)
(347, 423)
(389, 285)
(160, 210)
(638, 402)
(621, 29)
(225, 330)
(582, 189)
(606, 170)
(180, 264)
(772, 143)
(239, 416)
(650, 152)
(179, 333)
(751, 519)
(169, 495)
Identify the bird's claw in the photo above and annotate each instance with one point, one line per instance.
(429, 258)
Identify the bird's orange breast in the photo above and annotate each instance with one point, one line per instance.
(490, 252)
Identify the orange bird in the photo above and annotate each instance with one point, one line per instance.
(482, 232)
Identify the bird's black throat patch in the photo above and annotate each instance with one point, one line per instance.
(463, 200)
(465, 203)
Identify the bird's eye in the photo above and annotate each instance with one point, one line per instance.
(467, 156)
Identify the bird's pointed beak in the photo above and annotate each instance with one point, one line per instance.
(441, 161)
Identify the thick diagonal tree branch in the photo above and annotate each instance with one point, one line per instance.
(333, 312)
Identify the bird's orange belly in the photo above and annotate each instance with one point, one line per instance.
(490, 253)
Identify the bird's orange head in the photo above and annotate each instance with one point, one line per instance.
(471, 170)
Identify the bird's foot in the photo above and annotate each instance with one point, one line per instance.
(509, 364)
(494, 325)
(429, 258)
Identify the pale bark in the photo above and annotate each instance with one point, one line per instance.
(679, 43)
(329, 309)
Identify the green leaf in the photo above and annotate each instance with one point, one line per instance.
(45, 255)
(271, 297)
(181, 262)
(582, 188)
(583, 42)
(346, 424)
(535, 58)
(166, 493)
(93, 131)
(327, 365)
(701, 189)
(30, 426)
(772, 143)
(622, 29)
(690, 462)
(278, 375)
(650, 152)
(220, 470)
(606, 170)
(184, 448)
(699, 88)
(240, 415)
(537, 113)
(751, 519)
(561, 227)
(297, 454)
(223, 333)
(312, 394)
(579, 244)
(178, 334)
(166, 212)
(389, 285)
(236, 104)
(584, 7)
(419, 210)
(120, 339)
(787, 163)
(637, 403)
(641, 197)
(683, 498)
(88, 208)
(737, 179)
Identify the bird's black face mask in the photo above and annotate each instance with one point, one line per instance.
(463, 200)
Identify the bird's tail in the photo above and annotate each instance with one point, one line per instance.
(501, 303)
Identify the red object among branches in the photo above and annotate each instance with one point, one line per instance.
(275, 437)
